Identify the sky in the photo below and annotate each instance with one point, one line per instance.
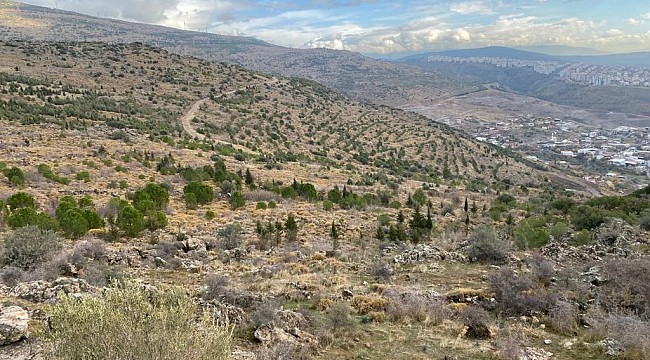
(395, 27)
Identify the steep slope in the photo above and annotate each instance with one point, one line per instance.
(143, 89)
(351, 73)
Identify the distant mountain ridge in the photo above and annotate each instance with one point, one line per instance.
(637, 59)
(353, 74)
(490, 51)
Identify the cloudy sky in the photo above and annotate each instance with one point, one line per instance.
(393, 27)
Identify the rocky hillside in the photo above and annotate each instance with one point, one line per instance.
(289, 221)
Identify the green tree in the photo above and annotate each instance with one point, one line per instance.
(73, 223)
(156, 220)
(419, 198)
(15, 176)
(20, 200)
(248, 178)
(334, 233)
(237, 200)
(203, 192)
(130, 220)
(190, 201)
(291, 228)
(158, 194)
(22, 217)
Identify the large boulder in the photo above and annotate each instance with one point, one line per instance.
(14, 322)
(45, 291)
(426, 252)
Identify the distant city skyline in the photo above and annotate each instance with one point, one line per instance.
(395, 27)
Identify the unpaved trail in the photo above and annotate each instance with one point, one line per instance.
(186, 120)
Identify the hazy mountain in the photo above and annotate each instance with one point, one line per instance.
(561, 50)
(638, 59)
(351, 73)
(491, 51)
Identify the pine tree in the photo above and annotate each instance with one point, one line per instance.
(466, 205)
(291, 228)
(334, 233)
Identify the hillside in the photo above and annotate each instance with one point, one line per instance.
(317, 226)
(351, 73)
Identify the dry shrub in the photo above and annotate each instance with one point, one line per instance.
(627, 286)
(324, 304)
(377, 316)
(416, 307)
(338, 320)
(382, 271)
(135, 324)
(476, 320)
(541, 268)
(511, 346)
(517, 294)
(632, 332)
(215, 286)
(563, 318)
(261, 195)
(265, 314)
(365, 304)
(284, 351)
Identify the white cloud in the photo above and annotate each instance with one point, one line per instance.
(471, 7)
(633, 21)
(507, 30)
(646, 16)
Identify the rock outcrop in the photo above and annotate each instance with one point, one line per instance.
(14, 323)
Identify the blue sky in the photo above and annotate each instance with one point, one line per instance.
(395, 27)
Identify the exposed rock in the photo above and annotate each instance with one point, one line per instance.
(617, 232)
(193, 244)
(531, 353)
(612, 347)
(269, 334)
(426, 252)
(226, 312)
(14, 322)
(44, 291)
(615, 237)
(28, 349)
(593, 276)
(288, 320)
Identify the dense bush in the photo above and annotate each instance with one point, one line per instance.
(15, 176)
(486, 246)
(203, 192)
(130, 220)
(476, 320)
(531, 233)
(28, 247)
(135, 324)
(47, 172)
(237, 200)
(20, 200)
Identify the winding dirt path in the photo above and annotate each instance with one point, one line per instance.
(186, 120)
